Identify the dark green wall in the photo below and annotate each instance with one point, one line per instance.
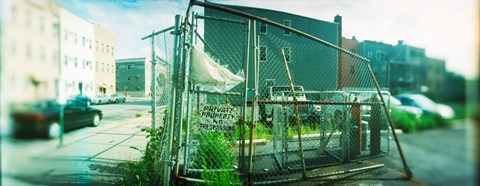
(312, 65)
(137, 69)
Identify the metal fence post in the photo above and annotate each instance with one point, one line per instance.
(241, 158)
(153, 87)
(176, 68)
(255, 94)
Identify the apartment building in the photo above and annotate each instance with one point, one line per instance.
(30, 50)
(77, 54)
(104, 72)
(134, 76)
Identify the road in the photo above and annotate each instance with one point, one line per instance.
(113, 113)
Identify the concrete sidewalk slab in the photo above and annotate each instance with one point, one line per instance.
(108, 139)
(121, 153)
(80, 150)
(139, 141)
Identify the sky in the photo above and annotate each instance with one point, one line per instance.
(446, 29)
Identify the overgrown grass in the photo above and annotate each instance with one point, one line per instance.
(409, 123)
(264, 132)
(216, 152)
(148, 170)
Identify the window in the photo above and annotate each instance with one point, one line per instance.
(287, 23)
(96, 46)
(138, 88)
(369, 54)
(75, 38)
(66, 60)
(83, 41)
(128, 66)
(28, 51)
(13, 47)
(14, 14)
(108, 49)
(103, 67)
(75, 62)
(42, 24)
(112, 50)
(42, 54)
(65, 32)
(263, 53)
(103, 48)
(28, 19)
(128, 77)
(90, 44)
(380, 55)
(263, 28)
(288, 55)
(96, 66)
(55, 57)
(84, 64)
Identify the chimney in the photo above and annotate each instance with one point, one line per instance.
(338, 20)
(400, 42)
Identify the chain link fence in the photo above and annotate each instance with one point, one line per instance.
(305, 109)
(161, 59)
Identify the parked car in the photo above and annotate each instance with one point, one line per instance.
(117, 98)
(42, 118)
(397, 104)
(428, 106)
(82, 97)
(100, 99)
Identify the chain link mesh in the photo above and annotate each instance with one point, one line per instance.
(327, 121)
(161, 87)
(214, 133)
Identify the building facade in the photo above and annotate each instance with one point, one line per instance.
(398, 68)
(77, 36)
(30, 50)
(133, 76)
(302, 54)
(379, 54)
(408, 69)
(435, 76)
(348, 70)
(104, 72)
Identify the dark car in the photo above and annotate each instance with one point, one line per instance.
(84, 98)
(41, 119)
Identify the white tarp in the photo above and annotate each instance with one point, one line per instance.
(209, 75)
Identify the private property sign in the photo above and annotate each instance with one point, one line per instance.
(218, 118)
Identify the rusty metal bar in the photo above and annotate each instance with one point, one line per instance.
(271, 102)
(390, 122)
(297, 120)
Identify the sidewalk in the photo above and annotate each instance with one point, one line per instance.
(133, 99)
(87, 159)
